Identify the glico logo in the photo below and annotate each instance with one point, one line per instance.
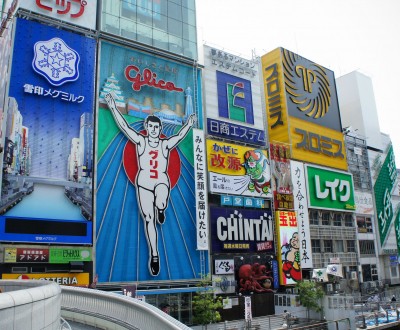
(64, 6)
(307, 85)
(234, 98)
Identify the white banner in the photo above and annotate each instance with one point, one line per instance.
(335, 270)
(364, 202)
(200, 189)
(300, 206)
(320, 275)
(224, 266)
(247, 309)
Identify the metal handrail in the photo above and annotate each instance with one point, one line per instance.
(128, 312)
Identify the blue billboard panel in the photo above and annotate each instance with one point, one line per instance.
(48, 139)
(241, 230)
(146, 215)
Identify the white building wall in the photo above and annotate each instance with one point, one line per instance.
(357, 100)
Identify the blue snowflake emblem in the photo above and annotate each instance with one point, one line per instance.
(56, 61)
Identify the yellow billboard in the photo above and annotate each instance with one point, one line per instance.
(238, 170)
(302, 108)
(73, 279)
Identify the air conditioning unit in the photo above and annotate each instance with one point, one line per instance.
(329, 287)
(353, 275)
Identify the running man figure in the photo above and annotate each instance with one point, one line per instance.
(152, 180)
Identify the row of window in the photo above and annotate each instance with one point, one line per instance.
(330, 219)
(169, 25)
(366, 247)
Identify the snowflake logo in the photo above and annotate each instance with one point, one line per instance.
(56, 61)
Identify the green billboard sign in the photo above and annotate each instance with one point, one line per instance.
(383, 188)
(64, 256)
(329, 189)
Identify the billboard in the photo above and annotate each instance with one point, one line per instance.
(233, 98)
(288, 254)
(241, 230)
(47, 168)
(302, 108)
(383, 187)
(72, 279)
(281, 176)
(300, 206)
(238, 170)
(77, 12)
(146, 219)
(52, 255)
(330, 190)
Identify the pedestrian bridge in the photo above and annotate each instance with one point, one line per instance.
(36, 305)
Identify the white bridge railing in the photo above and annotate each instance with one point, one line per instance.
(100, 308)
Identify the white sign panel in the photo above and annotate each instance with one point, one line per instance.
(232, 93)
(224, 266)
(77, 12)
(300, 206)
(364, 203)
(201, 189)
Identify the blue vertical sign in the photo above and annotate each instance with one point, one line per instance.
(48, 116)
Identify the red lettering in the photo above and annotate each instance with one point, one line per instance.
(148, 78)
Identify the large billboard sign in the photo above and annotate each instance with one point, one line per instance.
(281, 176)
(302, 108)
(70, 279)
(145, 169)
(77, 12)
(383, 187)
(330, 190)
(241, 230)
(237, 170)
(289, 257)
(48, 142)
(232, 98)
(300, 206)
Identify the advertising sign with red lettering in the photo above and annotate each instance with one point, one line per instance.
(241, 230)
(72, 279)
(281, 176)
(148, 108)
(77, 12)
(289, 257)
(238, 170)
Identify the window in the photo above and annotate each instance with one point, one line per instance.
(351, 246)
(326, 218)
(367, 247)
(328, 246)
(316, 246)
(364, 224)
(348, 220)
(313, 215)
(337, 219)
(393, 271)
(339, 246)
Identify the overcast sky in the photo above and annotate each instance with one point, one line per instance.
(341, 35)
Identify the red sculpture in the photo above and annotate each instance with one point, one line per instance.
(254, 278)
